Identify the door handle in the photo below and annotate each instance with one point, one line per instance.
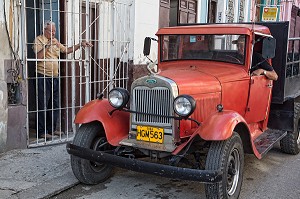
(269, 85)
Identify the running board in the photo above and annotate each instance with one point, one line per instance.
(266, 141)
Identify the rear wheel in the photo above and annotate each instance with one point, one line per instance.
(228, 157)
(91, 136)
(291, 142)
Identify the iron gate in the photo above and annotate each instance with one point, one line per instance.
(82, 73)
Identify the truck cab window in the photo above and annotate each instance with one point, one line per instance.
(224, 48)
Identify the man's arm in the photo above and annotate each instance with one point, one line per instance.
(272, 75)
(264, 68)
(41, 53)
(77, 46)
(64, 49)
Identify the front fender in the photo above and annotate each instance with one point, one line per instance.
(220, 125)
(116, 126)
(217, 127)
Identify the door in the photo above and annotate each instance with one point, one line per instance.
(259, 99)
(187, 11)
(164, 13)
(212, 12)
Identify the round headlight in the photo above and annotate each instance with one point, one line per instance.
(118, 97)
(184, 105)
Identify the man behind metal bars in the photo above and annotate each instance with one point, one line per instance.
(46, 46)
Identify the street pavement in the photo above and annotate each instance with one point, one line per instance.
(276, 176)
(45, 172)
(35, 173)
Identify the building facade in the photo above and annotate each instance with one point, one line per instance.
(116, 28)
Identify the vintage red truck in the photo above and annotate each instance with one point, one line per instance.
(199, 112)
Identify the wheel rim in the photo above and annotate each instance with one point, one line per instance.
(100, 144)
(233, 170)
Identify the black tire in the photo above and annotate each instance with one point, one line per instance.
(92, 136)
(291, 142)
(228, 157)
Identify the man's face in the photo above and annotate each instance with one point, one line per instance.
(241, 46)
(50, 31)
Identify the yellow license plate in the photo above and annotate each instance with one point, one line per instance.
(150, 134)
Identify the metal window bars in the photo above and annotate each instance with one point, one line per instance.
(82, 73)
(293, 59)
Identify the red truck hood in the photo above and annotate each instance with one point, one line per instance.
(194, 78)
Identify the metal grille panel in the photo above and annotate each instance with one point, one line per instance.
(84, 72)
(154, 101)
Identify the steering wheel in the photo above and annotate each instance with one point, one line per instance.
(234, 58)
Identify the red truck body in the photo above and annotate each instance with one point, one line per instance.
(228, 112)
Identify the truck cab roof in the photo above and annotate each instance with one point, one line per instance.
(246, 29)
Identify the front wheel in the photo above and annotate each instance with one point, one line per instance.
(228, 157)
(91, 136)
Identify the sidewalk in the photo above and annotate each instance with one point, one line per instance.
(36, 172)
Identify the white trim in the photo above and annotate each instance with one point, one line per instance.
(262, 34)
(202, 10)
(236, 10)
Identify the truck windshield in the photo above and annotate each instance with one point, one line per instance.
(224, 48)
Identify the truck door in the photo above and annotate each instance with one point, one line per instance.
(259, 99)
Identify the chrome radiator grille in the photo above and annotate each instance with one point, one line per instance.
(156, 100)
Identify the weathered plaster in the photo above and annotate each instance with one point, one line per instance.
(16, 131)
(4, 54)
(2, 71)
(3, 115)
(3, 109)
(4, 50)
(146, 25)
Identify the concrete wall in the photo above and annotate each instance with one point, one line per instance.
(4, 54)
(12, 117)
(146, 18)
(3, 106)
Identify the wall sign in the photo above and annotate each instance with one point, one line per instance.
(269, 14)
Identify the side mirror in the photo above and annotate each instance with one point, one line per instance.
(268, 48)
(147, 46)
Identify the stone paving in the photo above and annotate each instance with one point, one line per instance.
(35, 173)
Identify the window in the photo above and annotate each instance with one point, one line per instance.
(225, 48)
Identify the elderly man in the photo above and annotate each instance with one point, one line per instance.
(48, 48)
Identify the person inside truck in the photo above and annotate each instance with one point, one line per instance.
(260, 66)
